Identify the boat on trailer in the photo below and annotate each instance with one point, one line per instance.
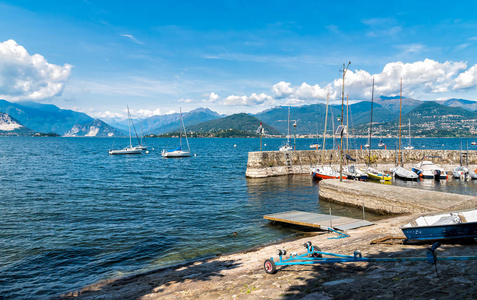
(449, 226)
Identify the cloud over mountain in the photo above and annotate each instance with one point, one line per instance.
(419, 78)
(29, 77)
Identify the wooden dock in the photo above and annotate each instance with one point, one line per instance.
(321, 221)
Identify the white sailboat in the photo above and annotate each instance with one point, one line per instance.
(287, 146)
(141, 145)
(178, 152)
(409, 147)
(129, 149)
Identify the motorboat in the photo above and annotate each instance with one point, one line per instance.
(315, 146)
(403, 173)
(381, 144)
(448, 226)
(428, 170)
(460, 172)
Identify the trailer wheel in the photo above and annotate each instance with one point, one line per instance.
(314, 254)
(270, 267)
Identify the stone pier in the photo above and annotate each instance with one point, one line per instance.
(276, 163)
(389, 199)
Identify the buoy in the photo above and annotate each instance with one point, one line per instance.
(235, 145)
(147, 151)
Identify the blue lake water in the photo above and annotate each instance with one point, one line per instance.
(72, 215)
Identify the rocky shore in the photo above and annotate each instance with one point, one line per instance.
(241, 275)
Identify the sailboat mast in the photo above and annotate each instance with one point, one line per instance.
(324, 133)
(288, 135)
(180, 128)
(409, 132)
(400, 117)
(347, 123)
(129, 125)
(371, 124)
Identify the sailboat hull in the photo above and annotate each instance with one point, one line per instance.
(125, 151)
(178, 153)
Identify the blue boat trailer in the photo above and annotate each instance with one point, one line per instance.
(314, 255)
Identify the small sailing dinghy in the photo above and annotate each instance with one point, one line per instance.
(455, 225)
(129, 149)
(179, 152)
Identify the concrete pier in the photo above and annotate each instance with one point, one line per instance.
(276, 163)
(389, 199)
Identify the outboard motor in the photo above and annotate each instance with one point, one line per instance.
(437, 175)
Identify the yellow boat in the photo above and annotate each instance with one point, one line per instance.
(377, 175)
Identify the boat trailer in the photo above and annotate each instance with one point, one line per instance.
(314, 255)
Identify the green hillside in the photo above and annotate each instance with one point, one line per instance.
(240, 122)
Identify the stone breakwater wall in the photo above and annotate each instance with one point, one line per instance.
(276, 163)
(389, 199)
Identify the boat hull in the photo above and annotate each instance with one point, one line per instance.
(174, 154)
(319, 176)
(441, 232)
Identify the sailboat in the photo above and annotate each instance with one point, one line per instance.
(316, 144)
(325, 172)
(178, 152)
(371, 172)
(129, 149)
(287, 146)
(399, 171)
(409, 147)
(141, 145)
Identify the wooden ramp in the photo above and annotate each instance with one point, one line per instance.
(322, 221)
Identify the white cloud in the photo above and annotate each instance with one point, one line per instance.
(132, 38)
(254, 99)
(419, 78)
(29, 77)
(184, 100)
(146, 113)
(466, 80)
(212, 97)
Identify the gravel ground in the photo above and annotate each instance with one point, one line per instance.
(241, 275)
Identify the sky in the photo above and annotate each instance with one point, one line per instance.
(158, 56)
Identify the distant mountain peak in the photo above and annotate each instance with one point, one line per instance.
(7, 123)
(95, 128)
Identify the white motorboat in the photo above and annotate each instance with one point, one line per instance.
(428, 170)
(460, 172)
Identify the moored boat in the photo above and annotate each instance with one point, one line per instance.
(428, 170)
(460, 172)
(325, 172)
(456, 225)
(377, 175)
(404, 174)
(352, 172)
(178, 152)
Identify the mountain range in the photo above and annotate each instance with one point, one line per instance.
(428, 118)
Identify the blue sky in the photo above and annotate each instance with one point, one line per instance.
(232, 56)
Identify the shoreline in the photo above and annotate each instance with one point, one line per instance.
(240, 275)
